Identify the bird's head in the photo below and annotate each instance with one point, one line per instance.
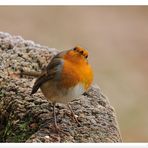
(77, 54)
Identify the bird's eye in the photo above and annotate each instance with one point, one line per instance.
(75, 48)
(81, 52)
(86, 56)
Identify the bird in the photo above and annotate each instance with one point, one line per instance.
(67, 76)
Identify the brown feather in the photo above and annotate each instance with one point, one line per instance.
(52, 71)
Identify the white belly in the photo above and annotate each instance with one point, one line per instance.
(61, 95)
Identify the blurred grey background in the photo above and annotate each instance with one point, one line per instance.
(117, 40)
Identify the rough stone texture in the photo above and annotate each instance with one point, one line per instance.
(25, 118)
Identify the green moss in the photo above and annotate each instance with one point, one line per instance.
(19, 132)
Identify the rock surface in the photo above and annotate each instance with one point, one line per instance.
(25, 118)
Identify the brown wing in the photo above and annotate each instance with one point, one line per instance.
(38, 83)
(53, 71)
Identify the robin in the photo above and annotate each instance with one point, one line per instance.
(66, 77)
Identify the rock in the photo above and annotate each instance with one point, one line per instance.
(25, 118)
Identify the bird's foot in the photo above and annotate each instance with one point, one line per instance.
(58, 130)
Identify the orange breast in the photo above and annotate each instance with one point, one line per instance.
(76, 71)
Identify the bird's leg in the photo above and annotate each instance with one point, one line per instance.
(73, 114)
(54, 116)
(58, 130)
